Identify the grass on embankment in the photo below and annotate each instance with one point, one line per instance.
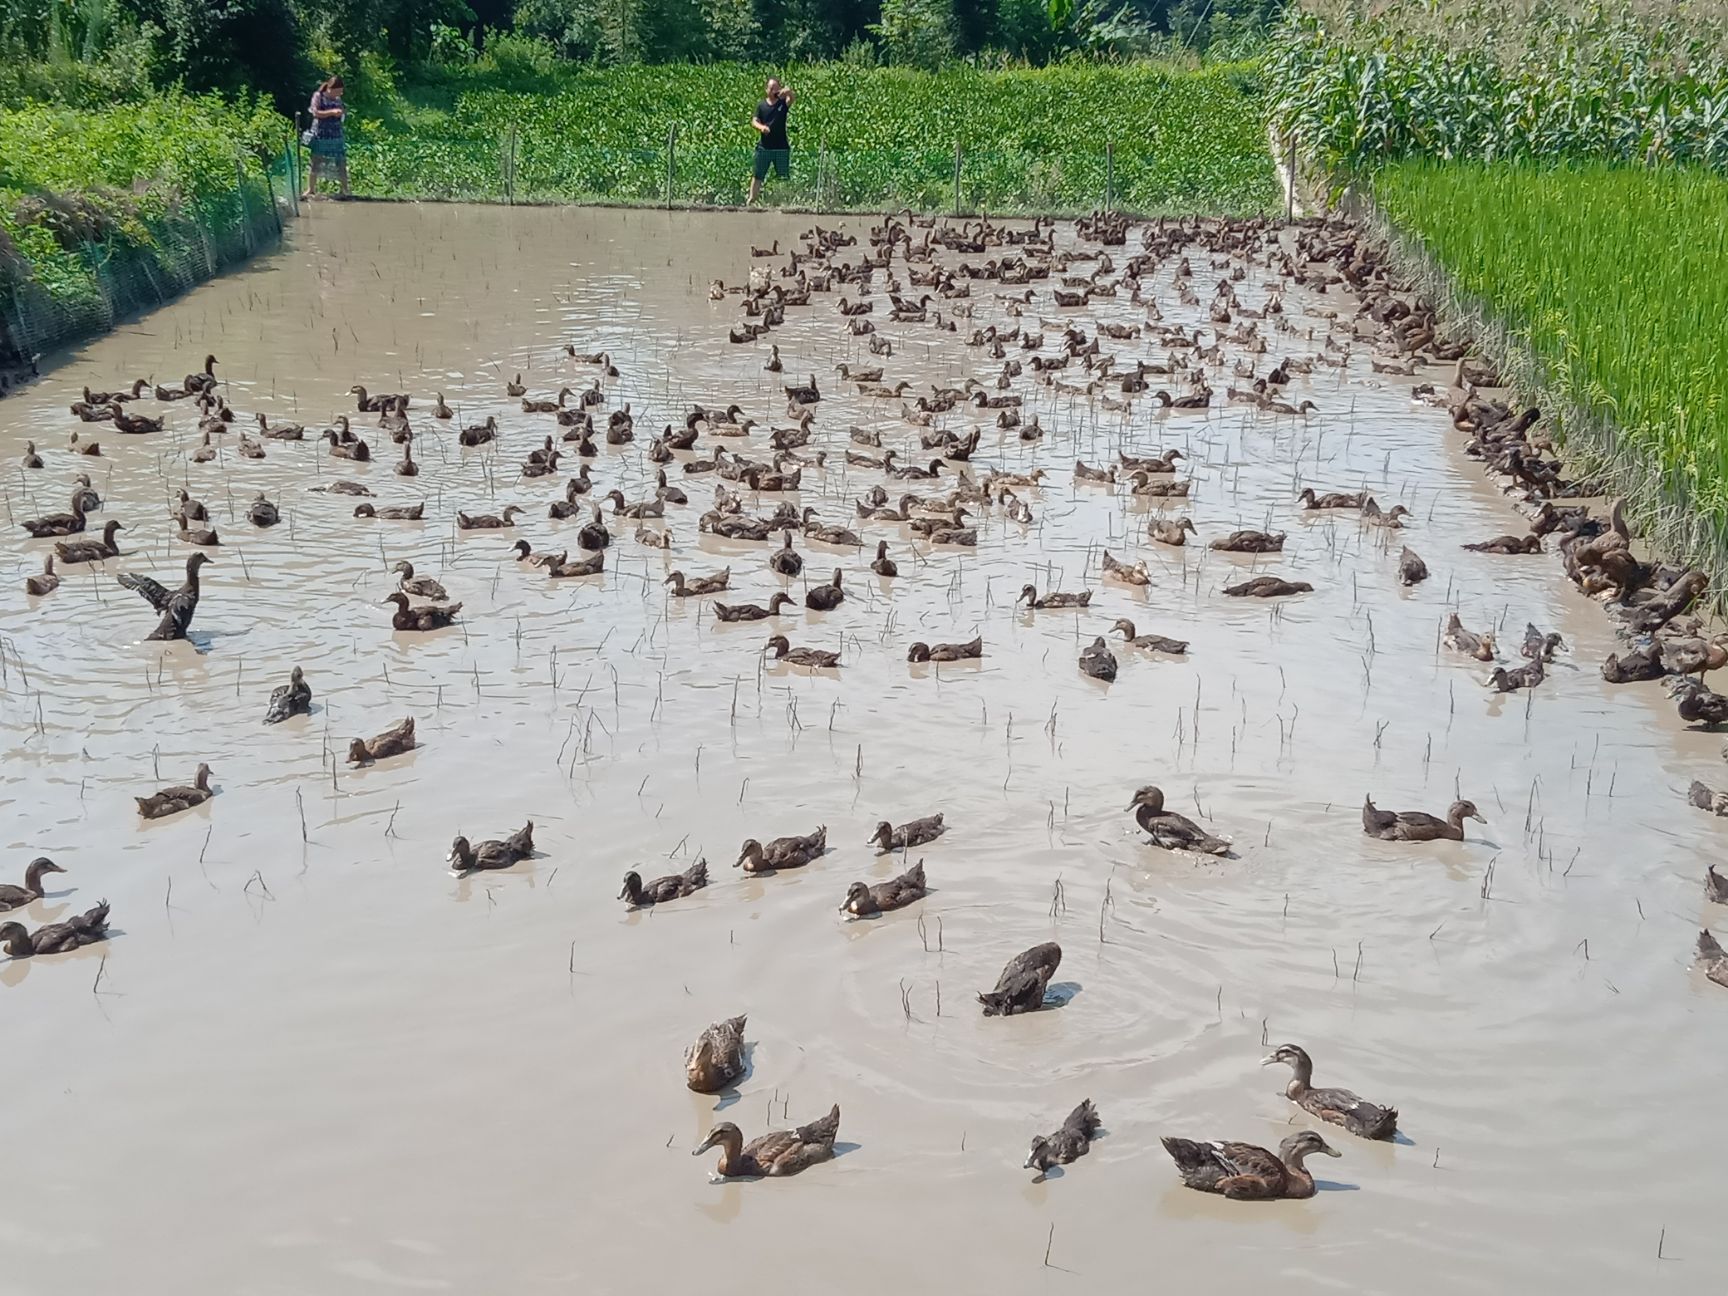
(1617, 279)
(1184, 139)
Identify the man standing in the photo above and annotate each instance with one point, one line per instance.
(773, 149)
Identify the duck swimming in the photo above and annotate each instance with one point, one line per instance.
(1170, 830)
(1507, 544)
(819, 658)
(356, 450)
(1411, 569)
(785, 560)
(172, 800)
(674, 886)
(866, 900)
(58, 524)
(1172, 533)
(391, 512)
(1335, 1106)
(1098, 662)
(44, 583)
(1711, 957)
(915, 832)
(1250, 542)
(1127, 573)
(83, 551)
(1413, 825)
(782, 852)
(1331, 500)
(176, 606)
(559, 568)
(56, 938)
(1268, 587)
(1054, 600)
(1020, 988)
(420, 618)
(1481, 646)
(290, 699)
(419, 586)
(751, 611)
(919, 653)
(1152, 642)
(487, 521)
(682, 588)
(14, 897)
(716, 1060)
(775, 1155)
(465, 859)
(395, 740)
(825, 598)
(883, 564)
(263, 513)
(1067, 1144)
(1245, 1172)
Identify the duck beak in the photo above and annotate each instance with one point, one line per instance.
(1031, 1162)
(1270, 1060)
(703, 1146)
(1329, 1150)
(1478, 818)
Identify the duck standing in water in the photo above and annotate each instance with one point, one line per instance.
(1025, 977)
(867, 900)
(290, 699)
(176, 606)
(15, 897)
(56, 938)
(638, 894)
(1414, 825)
(716, 1060)
(1171, 830)
(775, 1155)
(1245, 1172)
(1335, 1106)
(883, 564)
(1067, 1144)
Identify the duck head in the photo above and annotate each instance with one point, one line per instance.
(1293, 1150)
(33, 874)
(1029, 595)
(357, 753)
(632, 887)
(1039, 1158)
(1462, 810)
(1151, 797)
(884, 834)
(461, 857)
(725, 1135)
(780, 645)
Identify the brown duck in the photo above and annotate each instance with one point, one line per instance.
(420, 618)
(56, 938)
(915, 832)
(15, 897)
(1250, 542)
(825, 598)
(465, 858)
(866, 900)
(1170, 830)
(1481, 646)
(176, 606)
(1020, 988)
(818, 658)
(1268, 587)
(674, 886)
(919, 653)
(393, 741)
(1151, 642)
(751, 611)
(172, 800)
(1414, 825)
(1335, 1106)
(716, 1060)
(776, 1155)
(1245, 1172)
(683, 588)
(84, 551)
(1067, 1144)
(782, 852)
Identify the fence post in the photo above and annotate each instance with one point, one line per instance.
(671, 160)
(1109, 175)
(510, 166)
(245, 208)
(821, 173)
(957, 165)
(1290, 182)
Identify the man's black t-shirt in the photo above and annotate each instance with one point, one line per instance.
(772, 114)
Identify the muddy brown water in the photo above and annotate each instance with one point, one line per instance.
(327, 1065)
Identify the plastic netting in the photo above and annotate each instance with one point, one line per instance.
(118, 278)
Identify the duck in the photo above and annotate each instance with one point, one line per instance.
(1507, 544)
(1711, 956)
(1524, 677)
(1170, 830)
(176, 606)
(342, 487)
(56, 938)
(367, 403)
(426, 617)
(83, 551)
(774, 1155)
(392, 512)
(395, 740)
(751, 611)
(14, 897)
(1268, 587)
(419, 586)
(407, 467)
(819, 658)
(716, 1060)
(1689, 655)
(825, 598)
(1256, 542)
(1159, 463)
(834, 535)
(1098, 662)
(487, 521)
(883, 565)
(290, 699)
(682, 588)
(1701, 796)
(1084, 472)
(1334, 1106)
(560, 568)
(1715, 885)
(785, 561)
(172, 800)
(357, 450)
(1411, 569)
(263, 513)
(674, 886)
(920, 653)
(45, 583)
(1481, 646)
(1415, 826)
(593, 533)
(782, 852)
(440, 410)
(1245, 1172)
(1390, 520)
(1025, 977)
(1029, 594)
(30, 458)
(1128, 574)
(1331, 500)
(93, 448)
(547, 467)
(1698, 705)
(1067, 1144)
(915, 832)
(279, 431)
(1152, 642)
(1146, 485)
(465, 858)
(58, 524)
(198, 535)
(1171, 532)
(478, 434)
(867, 900)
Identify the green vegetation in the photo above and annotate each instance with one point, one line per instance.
(1034, 139)
(1617, 278)
(1495, 80)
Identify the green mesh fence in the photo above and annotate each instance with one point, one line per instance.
(524, 168)
(101, 283)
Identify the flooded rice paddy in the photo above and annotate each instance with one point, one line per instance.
(315, 1061)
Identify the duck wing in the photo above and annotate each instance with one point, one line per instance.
(1417, 823)
(1082, 1121)
(1352, 1112)
(1375, 821)
(152, 591)
(821, 1133)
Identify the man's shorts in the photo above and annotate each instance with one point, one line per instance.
(779, 159)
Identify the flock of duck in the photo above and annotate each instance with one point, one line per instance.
(960, 268)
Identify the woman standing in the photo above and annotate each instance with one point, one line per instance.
(329, 147)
